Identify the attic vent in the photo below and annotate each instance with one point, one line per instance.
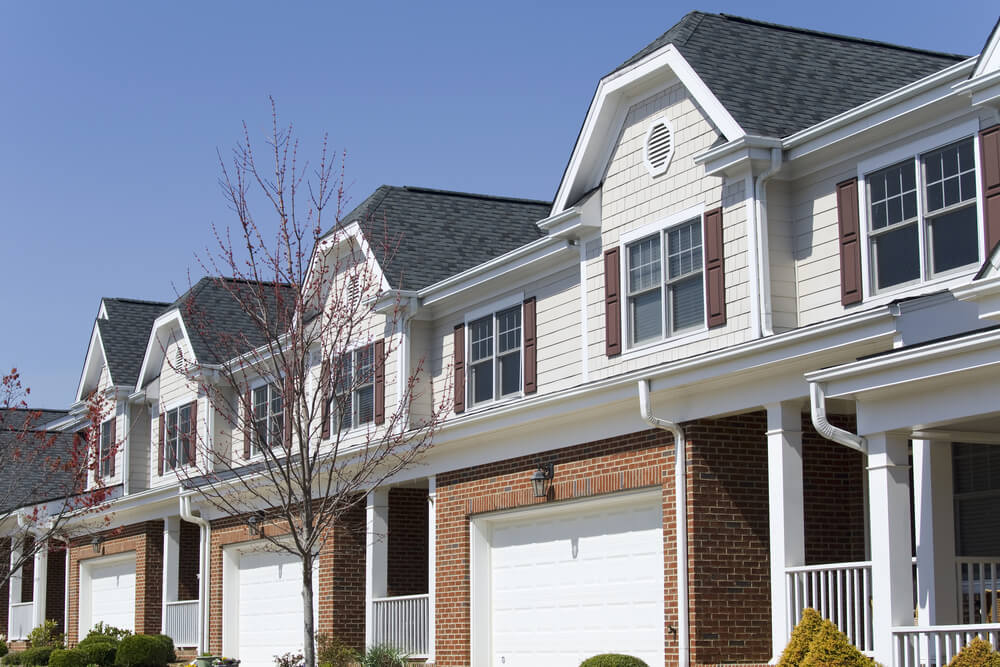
(659, 147)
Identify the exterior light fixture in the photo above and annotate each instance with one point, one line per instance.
(96, 543)
(541, 480)
(254, 523)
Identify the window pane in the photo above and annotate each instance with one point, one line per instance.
(687, 303)
(482, 381)
(968, 182)
(481, 336)
(910, 205)
(954, 239)
(170, 441)
(897, 258)
(510, 373)
(950, 175)
(880, 215)
(260, 402)
(277, 432)
(184, 434)
(684, 248)
(893, 194)
(646, 315)
(366, 404)
(344, 406)
(509, 330)
(365, 359)
(644, 264)
(275, 400)
(935, 196)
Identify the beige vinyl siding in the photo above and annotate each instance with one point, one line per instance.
(138, 440)
(175, 391)
(113, 410)
(781, 257)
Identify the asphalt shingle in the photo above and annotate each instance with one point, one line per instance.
(125, 334)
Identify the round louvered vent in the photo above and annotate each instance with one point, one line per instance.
(659, 147)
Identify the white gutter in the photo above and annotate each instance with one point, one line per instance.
(817, 410)
(680, 518)
(760, 231)
(204, 568)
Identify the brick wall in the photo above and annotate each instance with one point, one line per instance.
(407, 548)
(189, 557)
(28, 573)
(146, 540)
(55, 587)
(5, 589)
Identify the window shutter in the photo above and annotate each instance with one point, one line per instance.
(159, 449)
(850, 242)
(192, 436)
(380, 381)
(612, 303)
(459, 345)
(530, 347)
(989, 159)
(247, 422)
(325, 407)
(715, 269)
(112, 452)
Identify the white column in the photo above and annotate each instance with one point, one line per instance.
(171, 559)
(376, 556)
(14, 586)
(431, 564)
(787, 523)
(935, 525)
(39, 587)
(892, 569)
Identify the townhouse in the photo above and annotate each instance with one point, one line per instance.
(744, 363)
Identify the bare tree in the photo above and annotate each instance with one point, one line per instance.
(310, 334)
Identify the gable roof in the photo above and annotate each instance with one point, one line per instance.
(776, 80)
(124, 335)
(421, 236)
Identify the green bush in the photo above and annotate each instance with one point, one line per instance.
(613, 660)
(169, 651)
(46, 635)
(30, 656)
(99, 652)
(105, 634)
(3, 648)
(12, 658)
(72, 657)
(331, 652)
(802, 636)
(142, 651)
(383, 655)
(977, 653)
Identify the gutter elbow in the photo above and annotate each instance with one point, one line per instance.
(817, 412)
(646, 412)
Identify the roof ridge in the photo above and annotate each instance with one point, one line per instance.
(146, 302)
(839, 36)
(475, 195)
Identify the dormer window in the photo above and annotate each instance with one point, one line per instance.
(355, 403)
(105, 456)
(268, 417)
(179, 437)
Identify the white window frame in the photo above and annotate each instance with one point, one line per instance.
(334, 416)
(103, 457)
(176, 408)
(497, 306)
(661, 226)
(914, 150)
(255, 450)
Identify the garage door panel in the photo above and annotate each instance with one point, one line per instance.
(112, 594)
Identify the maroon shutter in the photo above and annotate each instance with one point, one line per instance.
(612, 303)
(850, 242)
(530, 347)
(380, 381)
(989, 160)
(288, 405)
(459, 345)
(715, 269)
(112, 447)
(247, 422)
(325, 398)
(192, 435)
(159, 449)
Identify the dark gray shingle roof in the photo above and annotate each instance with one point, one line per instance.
(421, 236)
(776, 80)
(125, 334)
(15, 418)
(33, 460)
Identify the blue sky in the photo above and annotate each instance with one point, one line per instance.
(112, 114)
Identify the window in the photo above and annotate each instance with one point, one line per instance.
(105, 446)
(976, 473)
(666, 296)
(495, 356)
(922, 217)
(355, 388)
(268, 417)
(178, 437)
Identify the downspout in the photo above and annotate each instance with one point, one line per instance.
(204, 552)
(817, 410)
(760, 231)
(680, 518)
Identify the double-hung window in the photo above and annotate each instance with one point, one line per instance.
(495, 343)
(268, 417)
(104, 448)
(665, 283)
(355, 388)
(922, 219)
(178, 438)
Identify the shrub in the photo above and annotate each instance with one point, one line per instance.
(3, 647)
(142, 651)
(46, 635)
(99, 652)
(331, 652)
(12, 658)
(613, 660)
(30, 656)
(802, 637)
(105, 634)
(290, 659)
(73, 657)
(168, 643)
(830, 646)
(977, 653)
(383, 655)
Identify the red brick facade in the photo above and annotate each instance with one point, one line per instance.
(407, 547)
(188, 561)
(55, 587)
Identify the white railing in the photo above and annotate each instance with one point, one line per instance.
(22, 620)
(841, 592)
(402, 622)
(936, 645)
(978, 584)
(180, 622)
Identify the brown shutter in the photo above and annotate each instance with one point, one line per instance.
(247, 422)
(989, 160)
(380, 381)
(112, 448)
(850, 242)
(715, 269)
(530, 347)
(612, 303)
(192, 435)
(159, 449)
(459, 345)
(288, 405)
(325, 398)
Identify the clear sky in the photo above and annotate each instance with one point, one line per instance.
(112, 113)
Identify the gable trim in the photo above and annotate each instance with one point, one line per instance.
(171, 317)
(96, 343)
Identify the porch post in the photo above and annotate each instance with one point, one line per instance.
(892, 569)
(935, 525)
(171, 559)
(431, 564)
(787, 536)
(14, 586)
(376, 556)
(39, 587)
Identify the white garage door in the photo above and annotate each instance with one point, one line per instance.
(569, 585)
(112, 594)
(270, 607)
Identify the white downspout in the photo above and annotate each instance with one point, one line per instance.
(760, 231)
(817, 410)
(204, 552)
(680, 519)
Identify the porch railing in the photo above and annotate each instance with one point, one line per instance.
(21, 620)
(402, 622)
(180, 622)
(840, 592)
(978, 582)
(936, 645)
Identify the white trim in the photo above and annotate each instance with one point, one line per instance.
(503, 303)
(989, 57)
(584, 337)
(172, 316)
(96, 343)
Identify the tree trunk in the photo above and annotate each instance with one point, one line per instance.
(309, 625)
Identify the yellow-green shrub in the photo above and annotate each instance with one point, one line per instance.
(977, 653)
(802, 637)
(830, 646)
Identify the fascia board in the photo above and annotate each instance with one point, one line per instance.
(96, 345)
(605, 114)
(559, 220)
(989, 57)
(154, 350)
(133, 508)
